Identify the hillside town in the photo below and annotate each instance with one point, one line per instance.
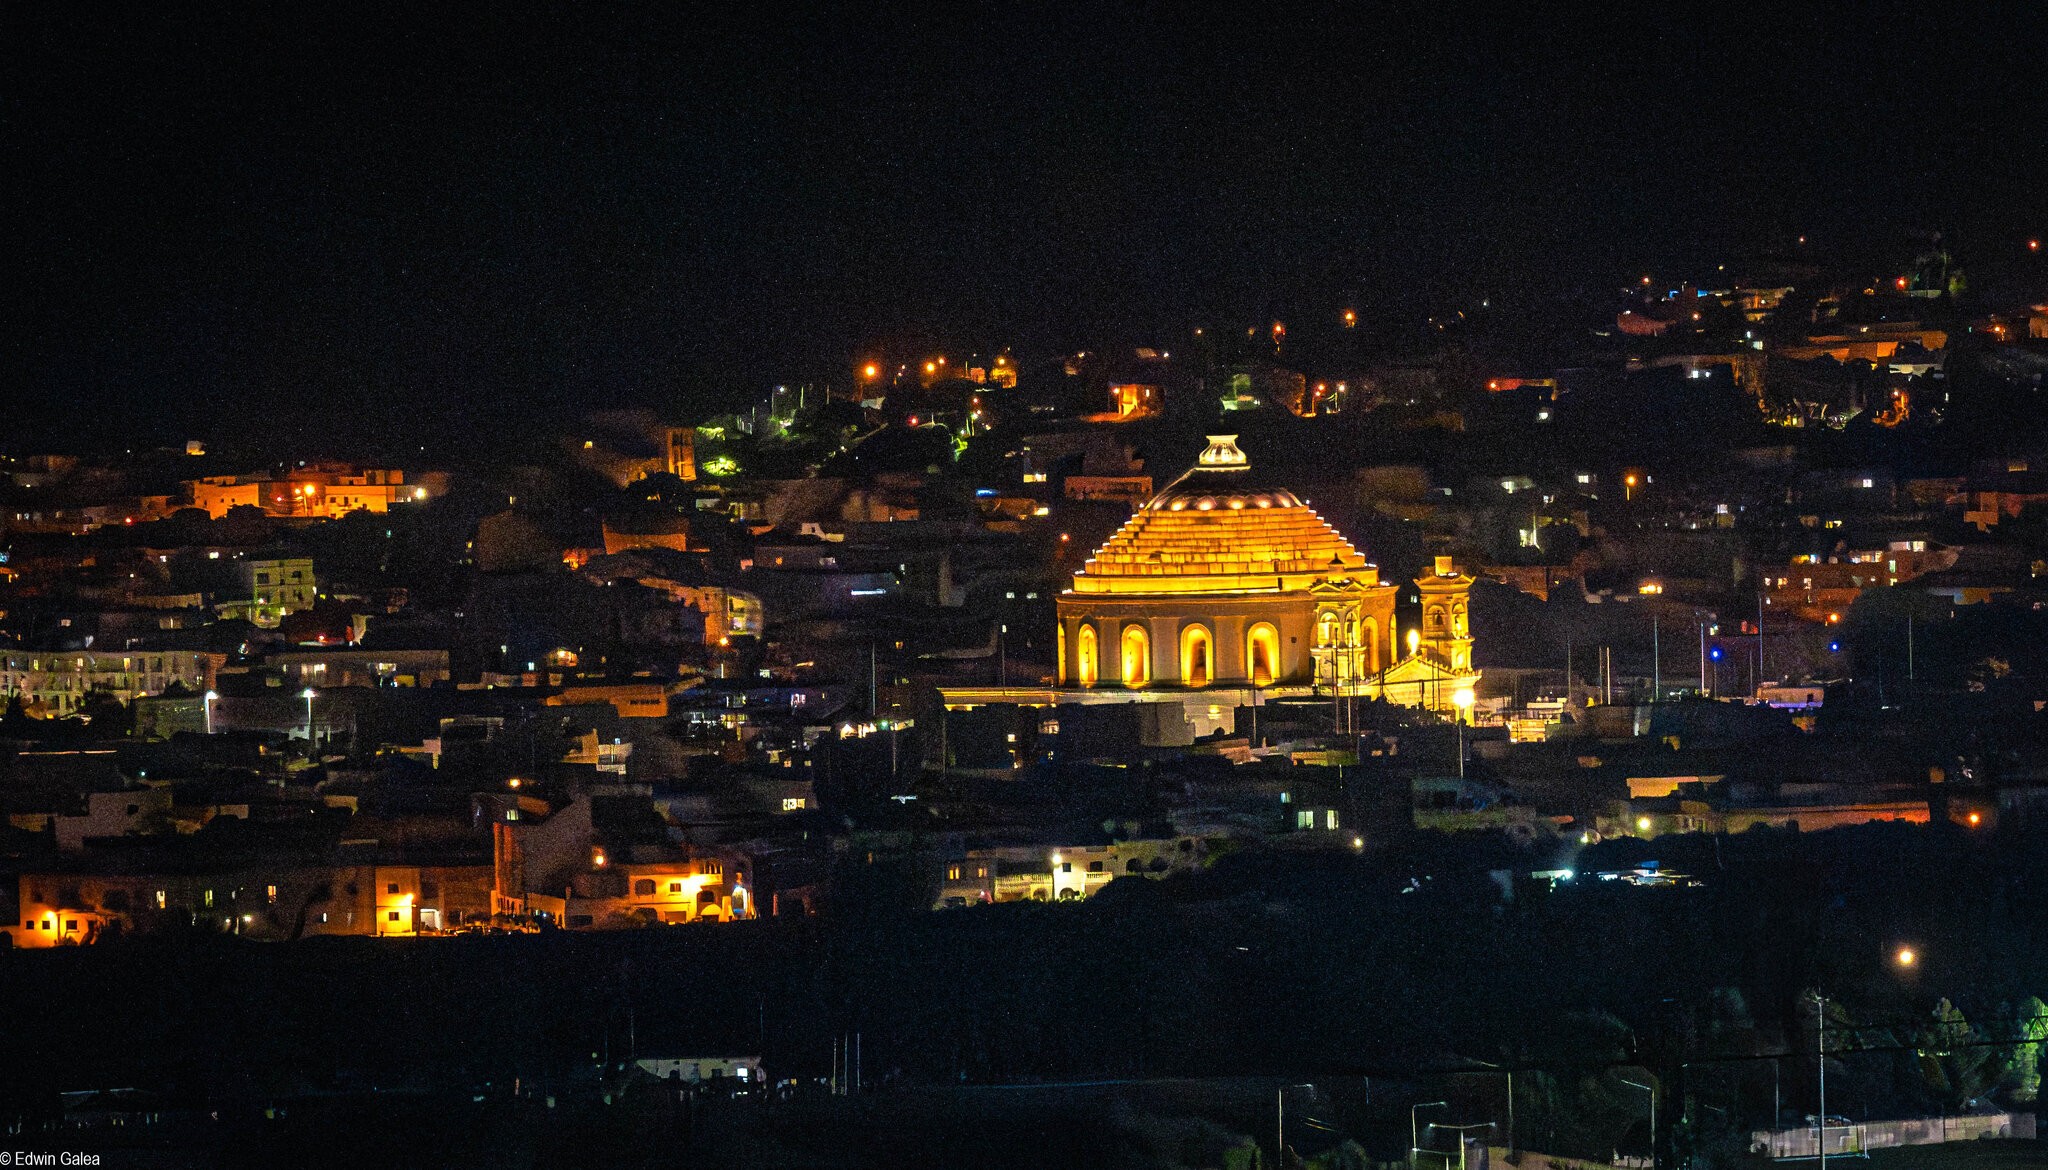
(927, 587)
(673, 671)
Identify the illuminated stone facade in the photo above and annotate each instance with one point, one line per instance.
(1223, 580)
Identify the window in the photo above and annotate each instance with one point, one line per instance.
(1085, 664)
(644, 888)
(159, 899)
(1136, 656)
(952, 873)
(270, 894)
(1197, 656)
(1305, 819)
(390, 888)
(675, 887)
(715, 868)
(394, 916)
(71, 924)
(1066, 867)
(793, 803)
(1094, 867)
(1262, 654)
(1330, 818)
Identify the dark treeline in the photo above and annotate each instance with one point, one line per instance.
(1263, 965)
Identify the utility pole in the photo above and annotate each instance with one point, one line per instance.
(1656, 660)
(1703, 658)
(1759, 642)
(1909, 645)
(1821, 1001)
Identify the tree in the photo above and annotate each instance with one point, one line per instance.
(106, 714)
(1957, 1067)
(2026, 1057)
(14, 721)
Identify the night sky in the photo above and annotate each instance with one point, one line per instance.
(330, 220)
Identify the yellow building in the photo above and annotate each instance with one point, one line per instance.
(1225, 588)
(328, 491)
(1438, 672)
(1224, 580)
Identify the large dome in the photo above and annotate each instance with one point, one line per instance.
(1222, 528)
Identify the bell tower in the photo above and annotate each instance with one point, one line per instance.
(1446, 617)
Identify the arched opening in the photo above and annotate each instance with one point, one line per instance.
(1134, 866)
(1137, 656)
(1326, 630)
(1371, 643)
(1197, 656)
(1085, 663)
(1262, 654)
(1059, 654)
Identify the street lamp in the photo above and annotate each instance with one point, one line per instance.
(1280, 1123)
(1653, 1116)
(207, 702)
(1414, 1136)
(1462, 699)
(1511, 1097)
(307, 695)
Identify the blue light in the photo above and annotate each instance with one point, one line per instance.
(984, 491)
(1834, 647)
(1715, 654)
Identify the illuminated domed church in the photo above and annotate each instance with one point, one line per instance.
(1226, 586)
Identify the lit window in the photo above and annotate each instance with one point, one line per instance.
(952, 873)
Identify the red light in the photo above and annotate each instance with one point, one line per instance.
(1976, 818)
(1901, 282)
